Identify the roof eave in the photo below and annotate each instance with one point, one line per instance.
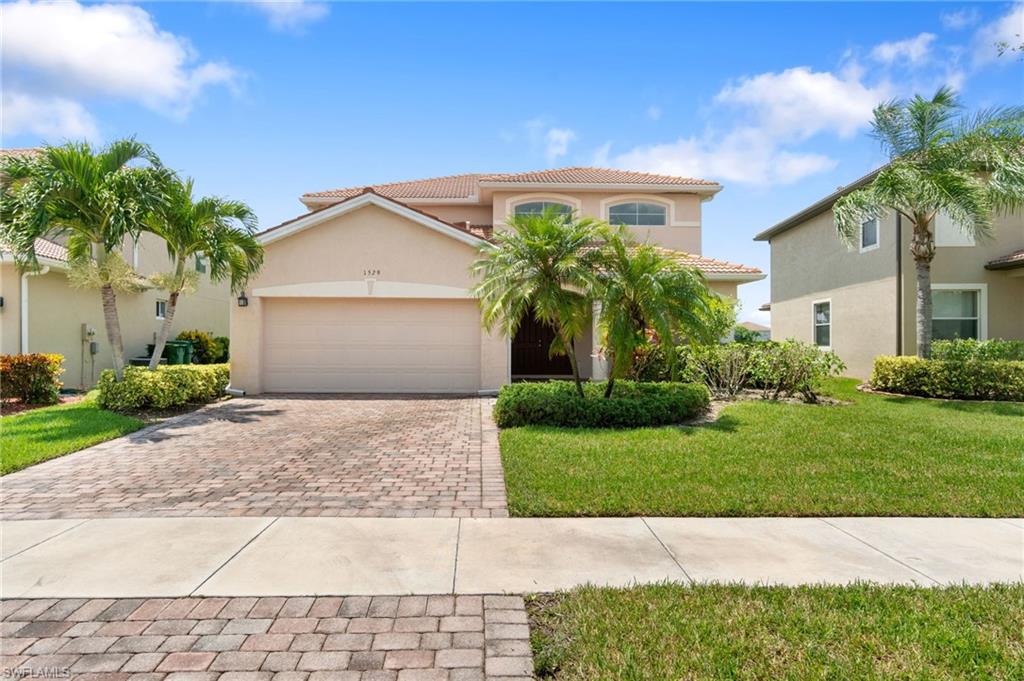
(743, 277)
(1011, 265)
(599, 186)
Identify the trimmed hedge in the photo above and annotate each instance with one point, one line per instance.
(968, 348)
(632, 405)
(33, 378)
(168, 386)
(962, 380)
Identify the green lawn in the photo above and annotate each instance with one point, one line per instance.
(672, 631)
(879, 455)
(41, 434)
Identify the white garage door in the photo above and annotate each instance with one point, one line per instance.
(373, 345)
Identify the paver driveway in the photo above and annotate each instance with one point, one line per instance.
(282, 455)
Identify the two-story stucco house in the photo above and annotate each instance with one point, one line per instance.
(41, 312)
(371, 290)
(860, 301)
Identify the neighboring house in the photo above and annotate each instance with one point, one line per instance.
(763, 332)
(371, 290)
(860, 301)
(41, 312)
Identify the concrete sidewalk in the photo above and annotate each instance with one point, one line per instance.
(151, 557)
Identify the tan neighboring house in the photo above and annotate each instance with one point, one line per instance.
(41, 312)
(371, 290)
(763, 332)
(860, 301)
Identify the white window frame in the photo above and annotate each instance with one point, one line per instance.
(878, 235)
(662, 205)
(519, 199)
(158, 303)
(670, 207)
(200, 262)
(982, 290)
(815, 325)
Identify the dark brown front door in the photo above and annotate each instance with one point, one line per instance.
(530, 350)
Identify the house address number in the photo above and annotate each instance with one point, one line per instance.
(371, 273)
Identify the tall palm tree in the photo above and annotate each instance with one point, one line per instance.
(219, 231)
(546, 264)
(966, 167)
(90, 199)
(640, 290)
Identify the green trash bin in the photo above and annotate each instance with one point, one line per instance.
(189, 351)
(175, 352)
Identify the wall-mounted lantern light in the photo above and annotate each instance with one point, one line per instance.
(242, 300)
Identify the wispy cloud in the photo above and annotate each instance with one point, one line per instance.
(654, 112)
(1008, 29)
(914, 50)
(960, 19)
(291, 16)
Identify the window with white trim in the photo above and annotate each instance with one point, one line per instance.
(638, 214)
(161, 309)
(540, 207)
(200, 264)
(822, 314)
(956, 313)
(869, 235)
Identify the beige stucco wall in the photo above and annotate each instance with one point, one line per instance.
(57, 311)
(682, 234)
(368, 242)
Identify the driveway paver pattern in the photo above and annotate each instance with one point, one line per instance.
(294, 455)
(353, 638)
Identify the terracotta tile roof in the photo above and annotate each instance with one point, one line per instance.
(467, 186)
(48, 249)
(710, 265)
(1008, 261)
(24, 151)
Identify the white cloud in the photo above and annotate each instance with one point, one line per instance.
(557, 141)
(960, 19)
(798, 103)
(601, 154)
(1007, 29)
(914, 50)
(69, 52)
(654, 112)
(747, 155)
(52, 118)
(291, 15)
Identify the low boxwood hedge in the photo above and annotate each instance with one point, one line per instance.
(632, 405)
(168, 386)
(971, 379)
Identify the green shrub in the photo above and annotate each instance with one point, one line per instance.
(632, 405)
(968, 348)
(204, 348)
(970, 379)
(223, 344)
(168, 386)
(790, 368)
(33, 378)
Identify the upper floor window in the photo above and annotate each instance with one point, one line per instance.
(956, 313)
(638, 214)
(869, 235)
(822, 312)
(161, 309)
(200, 264)
(540, 207)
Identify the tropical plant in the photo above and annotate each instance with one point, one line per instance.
(967, 167)
(219, 231)
(91, 200)
(643, 293)
(545, 263)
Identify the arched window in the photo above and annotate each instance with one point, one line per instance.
(638, 214)
(539, 207)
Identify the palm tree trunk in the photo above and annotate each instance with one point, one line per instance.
(610, 385)
(570, 350)
(165, 331)
(924, 308)
(113, 325)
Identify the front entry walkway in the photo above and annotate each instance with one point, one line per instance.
(294, 455)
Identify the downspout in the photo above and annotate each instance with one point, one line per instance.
(24, 306)
(899, 283)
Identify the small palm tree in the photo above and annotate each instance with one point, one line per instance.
(546, 264)
(642, 290)
(967, 167)
(92, 200)
(218, 230)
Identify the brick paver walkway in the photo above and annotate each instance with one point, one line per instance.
(282, 456)
(356, 638)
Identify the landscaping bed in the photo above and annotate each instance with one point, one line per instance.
(672, 631)
(876, 456)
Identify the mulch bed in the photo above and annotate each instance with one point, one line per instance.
(16, 406)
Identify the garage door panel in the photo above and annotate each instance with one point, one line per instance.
(382, 345)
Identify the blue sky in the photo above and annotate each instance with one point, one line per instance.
(262, 102)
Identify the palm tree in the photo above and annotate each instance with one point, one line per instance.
(966, 167)
(217, 230)
(92, 200)
(546, 264)
(643, 290)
